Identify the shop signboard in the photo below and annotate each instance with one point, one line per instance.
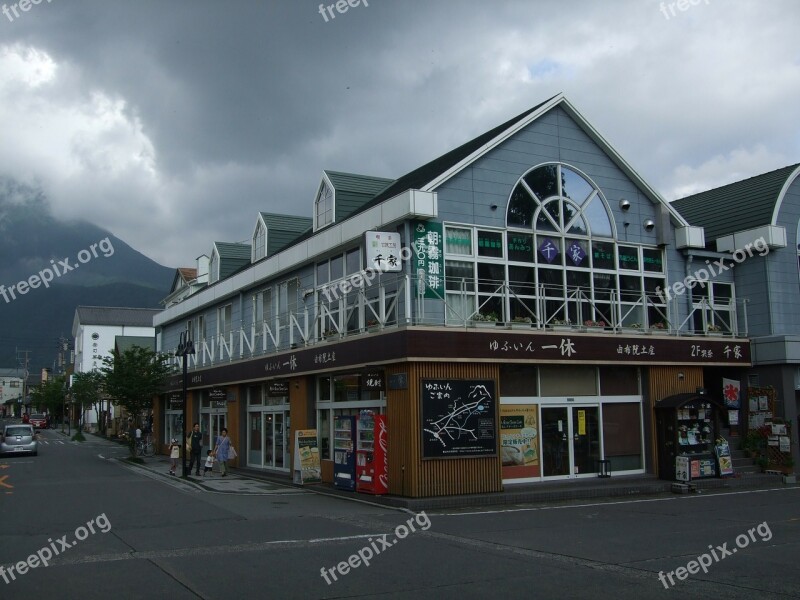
(373, 381)
(428, 259)
(277, 389)
(217, 394)
(306, 457)
(383, 251)
(723, 453)
(682, 472)
(176, 401)
(519, 440)
(458, 418)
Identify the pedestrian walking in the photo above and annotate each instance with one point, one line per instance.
(223, 451)
(194, 441)
(174, 455)
(209, 463)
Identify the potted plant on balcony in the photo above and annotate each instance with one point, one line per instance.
(713, 329)
(560, 325)
(485, 320)
(633, 328)
(658, 327)
(521, 323)
(373, 325)
(589, 324)
(328, 334)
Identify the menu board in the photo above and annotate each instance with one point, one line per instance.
(519, 440)
(306, 457)
(458, 418)
(723, 452)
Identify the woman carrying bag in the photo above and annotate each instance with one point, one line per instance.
(224, 451)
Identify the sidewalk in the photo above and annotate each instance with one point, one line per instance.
(232, 483)
(253, 481)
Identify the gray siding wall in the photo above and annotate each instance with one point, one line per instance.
(783, 274)
(468, 196)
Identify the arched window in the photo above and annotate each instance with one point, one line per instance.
(557, 260)
(555, 198)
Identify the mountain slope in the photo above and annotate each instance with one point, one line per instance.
(87, 266)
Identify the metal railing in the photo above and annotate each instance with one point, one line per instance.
(398, 300)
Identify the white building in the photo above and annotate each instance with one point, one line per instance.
(11, 390)
(95, 329)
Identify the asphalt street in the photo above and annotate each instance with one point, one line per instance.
(151, 536)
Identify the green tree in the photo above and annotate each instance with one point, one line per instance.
(49, 395)
(87, 390)
(134, 377)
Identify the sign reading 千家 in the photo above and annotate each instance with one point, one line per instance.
(383, 251)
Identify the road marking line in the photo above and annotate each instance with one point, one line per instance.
(4, 484)
(670, 499)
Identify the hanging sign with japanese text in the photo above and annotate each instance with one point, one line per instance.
(383, 251)
(428, 258)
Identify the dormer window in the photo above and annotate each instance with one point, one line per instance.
(323, 208)
(260, 242)
(214, 266)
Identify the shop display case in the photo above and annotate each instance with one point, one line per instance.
(687, 426)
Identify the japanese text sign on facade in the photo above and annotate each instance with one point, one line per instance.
(429, 259)
(383, 251)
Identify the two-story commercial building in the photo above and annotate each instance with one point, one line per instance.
(511, 306)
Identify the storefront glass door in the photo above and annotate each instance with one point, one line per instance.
(570, 440)
(276, 443)
(211, 427)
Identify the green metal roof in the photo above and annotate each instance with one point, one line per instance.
(737, 206)
(232, 257)
(282, 230)
(353, 191)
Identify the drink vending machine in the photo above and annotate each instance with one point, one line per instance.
(372, 459)
(344, 460)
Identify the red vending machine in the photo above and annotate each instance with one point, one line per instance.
(372, 459)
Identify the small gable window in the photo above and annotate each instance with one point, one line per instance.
(323, 209)
(260, 242)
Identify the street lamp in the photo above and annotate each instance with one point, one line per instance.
(185, 349)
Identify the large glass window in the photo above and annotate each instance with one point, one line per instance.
(563, 262)
(342, 395)
(458, 241)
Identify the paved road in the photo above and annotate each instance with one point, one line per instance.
(166, 540)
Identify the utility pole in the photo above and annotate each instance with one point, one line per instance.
(23, 363)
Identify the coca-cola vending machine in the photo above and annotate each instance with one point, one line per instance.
(372, 458)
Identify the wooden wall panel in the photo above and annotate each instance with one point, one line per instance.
(299, 412)
(233, 424)
(664, 382)
(409, 475)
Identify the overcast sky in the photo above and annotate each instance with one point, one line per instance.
(173, 122)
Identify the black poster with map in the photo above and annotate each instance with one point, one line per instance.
(458, 418)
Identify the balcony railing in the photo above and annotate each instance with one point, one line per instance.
(395, 300)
